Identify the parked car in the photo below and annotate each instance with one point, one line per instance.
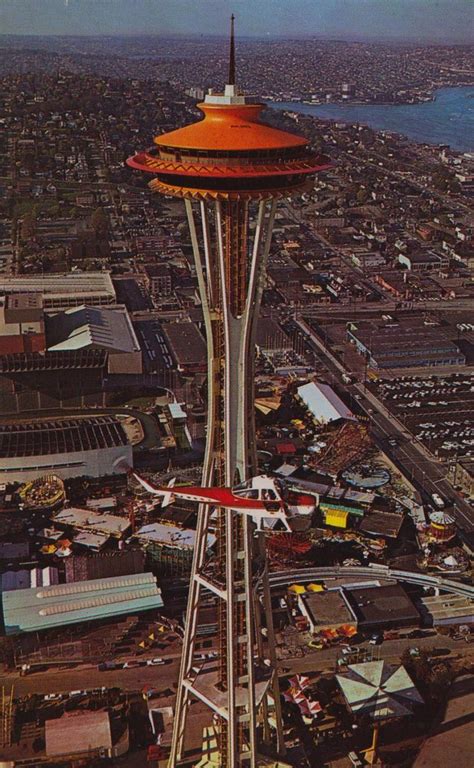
(151, 693)
(155, 662)
(348, 649)
(376, 639)
(106, 665)
(439, 652)
(355, 759)
(415, 633)
(316, 645)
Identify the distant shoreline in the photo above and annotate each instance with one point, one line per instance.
(447, 119)
(430, 96)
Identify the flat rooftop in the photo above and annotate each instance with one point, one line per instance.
(445, 607)
(51, 436)
(185, 342)
(327, 609)
(170, 535)
(86, 519)
(379, 523)
(69, 283)
(25, 301)
(401, 338)
(376, 605)
(76, 732)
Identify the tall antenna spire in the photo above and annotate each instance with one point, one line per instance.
(231, 78)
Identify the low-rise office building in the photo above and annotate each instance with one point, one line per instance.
(424, 261)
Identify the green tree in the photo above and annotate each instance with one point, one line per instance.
(99, 221)
(362, 196)
(28, 226)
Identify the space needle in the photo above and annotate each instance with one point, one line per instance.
(230, 168)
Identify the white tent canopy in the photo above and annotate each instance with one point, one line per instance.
(323, 403)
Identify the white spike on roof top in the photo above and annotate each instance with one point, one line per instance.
(231, 96)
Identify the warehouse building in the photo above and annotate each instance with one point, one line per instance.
(187, 347)
(407, 344)
(380, 523)
(41, 608)
(383, 607)
(326, 610)
(424, 261)
(439, 610)
(83, 734)
(323, 404)
(90, 446)
(60, 291)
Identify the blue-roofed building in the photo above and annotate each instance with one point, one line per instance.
(31, 610)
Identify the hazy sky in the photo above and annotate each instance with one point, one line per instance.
(450, 20)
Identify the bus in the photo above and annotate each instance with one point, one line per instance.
(437, 501)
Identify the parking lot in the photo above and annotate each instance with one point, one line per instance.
(156, 354)
(438, 410)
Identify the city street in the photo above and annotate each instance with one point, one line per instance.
(425, 472)
(164, 678)
(87, 677)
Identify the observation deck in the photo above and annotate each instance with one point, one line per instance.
(229, 154)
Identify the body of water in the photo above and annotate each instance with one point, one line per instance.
(449, 119)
